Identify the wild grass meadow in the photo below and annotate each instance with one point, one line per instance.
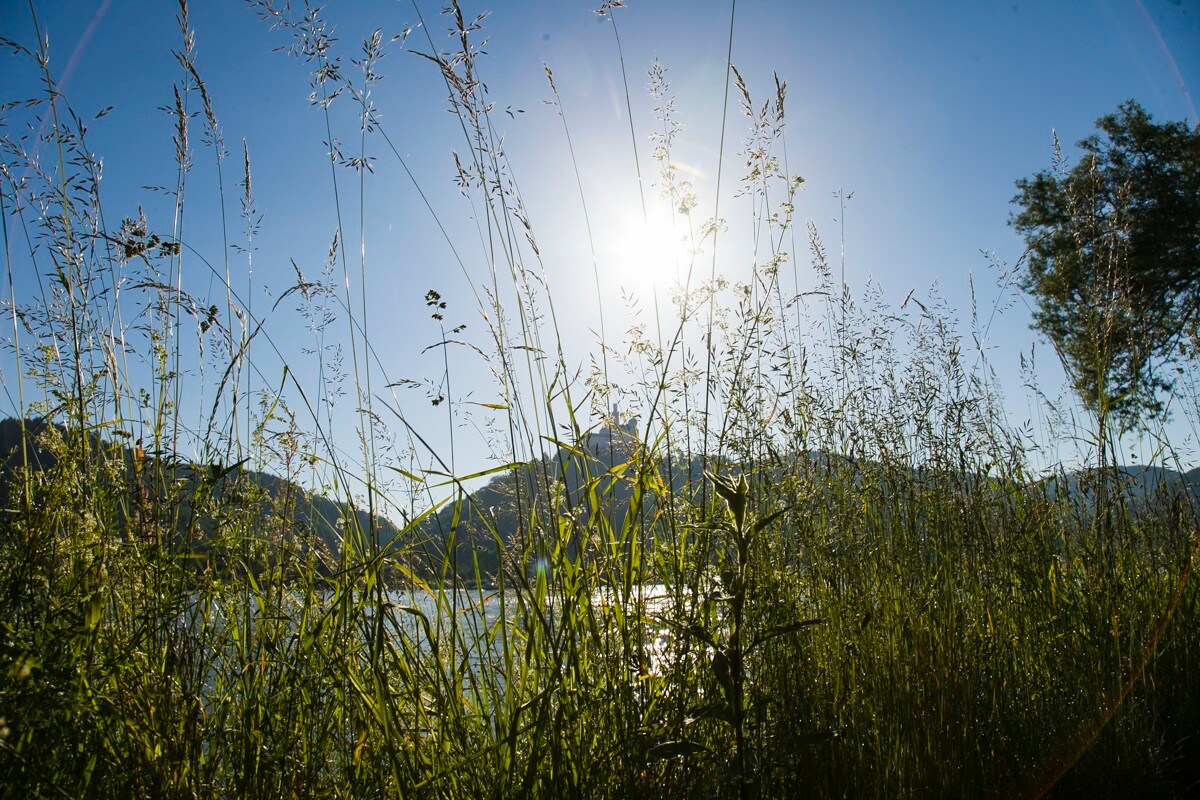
(809, 556)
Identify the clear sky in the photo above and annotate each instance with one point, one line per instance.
(926, 111)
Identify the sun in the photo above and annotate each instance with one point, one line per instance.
(646, 254)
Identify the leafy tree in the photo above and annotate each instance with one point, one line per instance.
(1114, 259)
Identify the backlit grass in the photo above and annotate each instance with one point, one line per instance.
(873, 593)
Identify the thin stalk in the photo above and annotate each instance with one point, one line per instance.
(712, 278)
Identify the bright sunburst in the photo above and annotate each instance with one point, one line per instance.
(646, 254)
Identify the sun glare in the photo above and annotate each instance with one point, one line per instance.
(647, 254)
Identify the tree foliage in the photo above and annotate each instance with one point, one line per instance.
(1114, 259)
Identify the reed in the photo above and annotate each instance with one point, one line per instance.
(824, 565)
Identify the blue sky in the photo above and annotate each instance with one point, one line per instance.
(926, 111)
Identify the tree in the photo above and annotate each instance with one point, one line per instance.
(1114, 260)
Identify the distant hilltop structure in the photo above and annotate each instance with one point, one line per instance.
(614, 436)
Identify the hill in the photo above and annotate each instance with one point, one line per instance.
(166, 500)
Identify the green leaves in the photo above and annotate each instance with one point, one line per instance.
(675, 748)
(723, 671)
(729, 665)
(1114, 244)
(761, 524)
(782, 630)
(735, 495)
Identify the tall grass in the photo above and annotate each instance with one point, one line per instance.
(870, 594)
